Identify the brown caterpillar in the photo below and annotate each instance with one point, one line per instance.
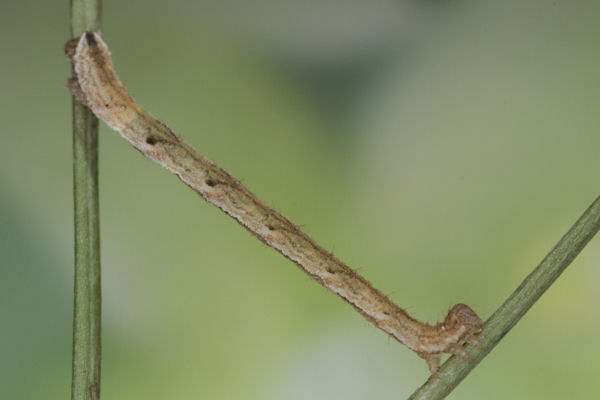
(98, 86)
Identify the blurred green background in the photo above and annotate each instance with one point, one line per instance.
(441, 148)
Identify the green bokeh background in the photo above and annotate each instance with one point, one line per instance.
(443, 165)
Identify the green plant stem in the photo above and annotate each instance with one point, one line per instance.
(517, 304)
(85, 385)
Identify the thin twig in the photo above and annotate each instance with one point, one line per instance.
(518, 303)
(85, 385)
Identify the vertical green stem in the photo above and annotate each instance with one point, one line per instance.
(85, 15)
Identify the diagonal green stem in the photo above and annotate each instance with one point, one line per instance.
(517, 304)
(85, 385)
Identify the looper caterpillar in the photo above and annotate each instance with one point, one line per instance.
(99, 87)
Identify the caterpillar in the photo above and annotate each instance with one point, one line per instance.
(98, 86)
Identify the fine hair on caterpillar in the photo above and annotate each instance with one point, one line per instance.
(98, 86)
